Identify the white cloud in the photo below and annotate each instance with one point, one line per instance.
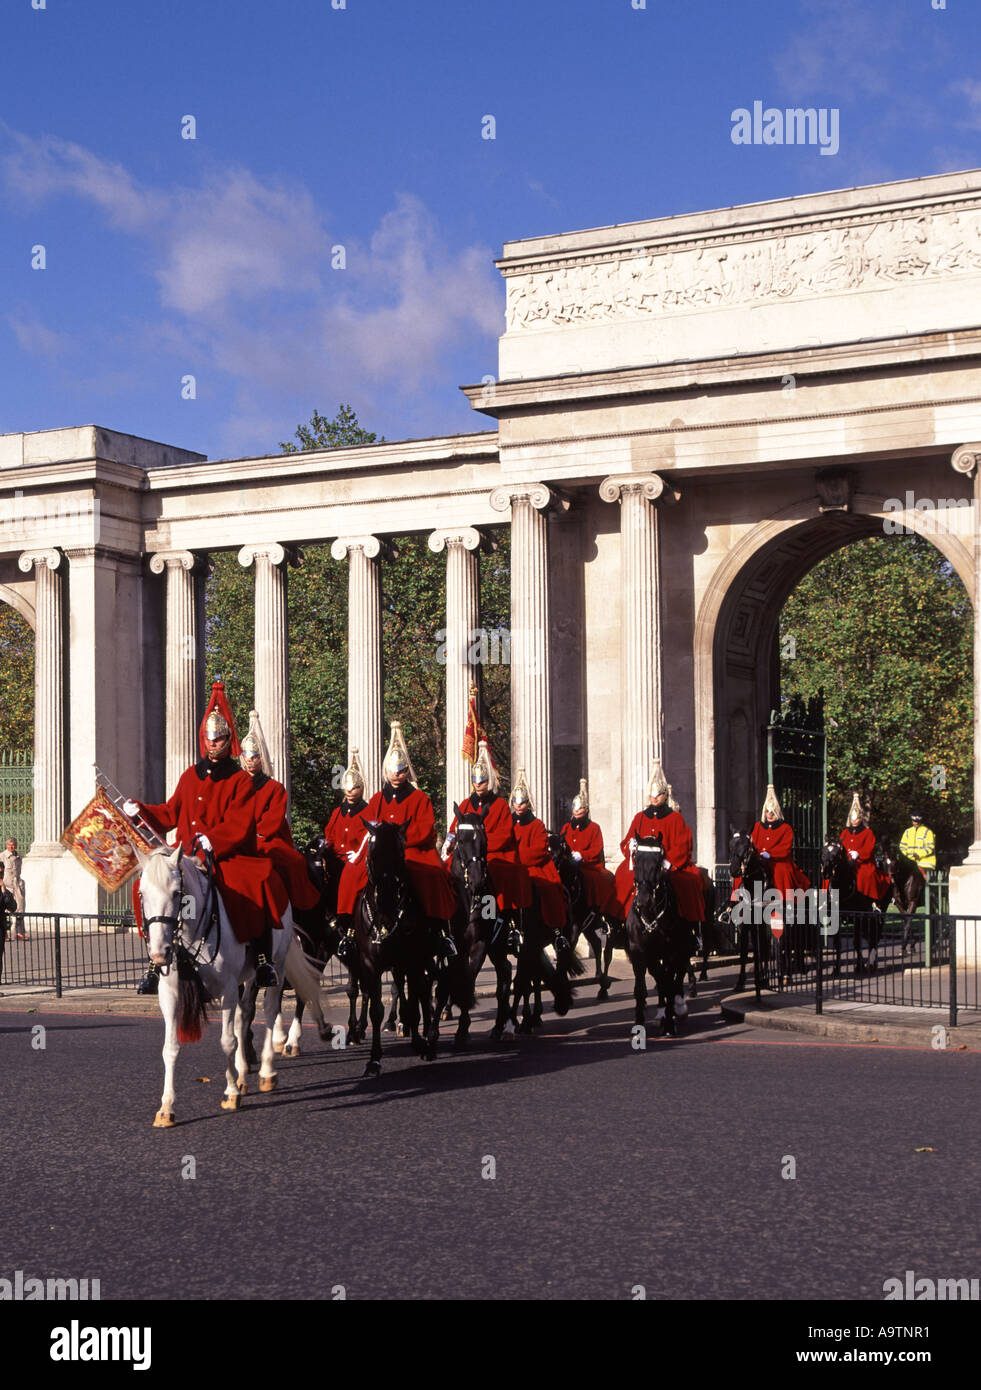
(246, 285)
(970, 90)
(35, 337)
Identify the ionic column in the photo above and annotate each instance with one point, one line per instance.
(462, 618)
(641, 713)
(49, 701)
(531, 691)
(272, 677)
(364, 652)
(181, 660)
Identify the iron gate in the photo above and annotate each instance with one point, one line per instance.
(796, 761)
(17, 797)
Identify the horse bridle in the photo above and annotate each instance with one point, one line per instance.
(463, 829)
(210, 915)
(648, 925)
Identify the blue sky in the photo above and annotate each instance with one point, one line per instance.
(361, 127)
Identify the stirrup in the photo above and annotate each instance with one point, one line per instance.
(514, 941)
(346, 950)
(447, 946)
(150, 983)
(265, 974)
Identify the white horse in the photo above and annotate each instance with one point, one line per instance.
(199, 963)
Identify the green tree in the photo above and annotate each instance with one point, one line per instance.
(414, 677)
(886, 628)
(16, 680)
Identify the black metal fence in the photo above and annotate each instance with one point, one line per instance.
(934, 964)
(60, 951)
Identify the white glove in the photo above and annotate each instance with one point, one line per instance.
(131, 808)
(205, 843)
(667, 863)
(764, 854)
(577, 856)
(352, 854)
(853, 853)
(448, 844)
(632, 847)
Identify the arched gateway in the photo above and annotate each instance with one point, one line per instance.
(690, 412)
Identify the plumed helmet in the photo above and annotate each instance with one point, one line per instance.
(521, 793)
(580, 802)
(484, 769)
(354, 776)
(397, 758)
(856, 815)
(658, 785)
(673, 805)
(771, 803)
(218, 721)
(254, 743)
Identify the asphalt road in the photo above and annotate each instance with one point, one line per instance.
(613, 1168)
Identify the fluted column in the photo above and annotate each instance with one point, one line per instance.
(181, 661)
(272, 677)
(967, 460)
(641, 713)
(531, 690)
(49, 701)
(364, 653)
(462, 618)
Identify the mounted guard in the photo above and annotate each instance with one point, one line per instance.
(213, 811)
(585, 841)
(774, 839)
(533, 852)
(859, 844)
(658, 818)
(509, 876)
(273, 834)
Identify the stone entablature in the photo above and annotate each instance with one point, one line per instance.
(813, 270)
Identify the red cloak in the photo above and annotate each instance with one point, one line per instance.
(508, 875)
(217, 800)
(778, 842)
(599, 883)
(532, 838)
(274, 837)
(686, 877)
(408, 806)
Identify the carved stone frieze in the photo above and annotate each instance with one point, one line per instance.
(890, 250)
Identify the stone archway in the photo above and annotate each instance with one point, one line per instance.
(736, 666)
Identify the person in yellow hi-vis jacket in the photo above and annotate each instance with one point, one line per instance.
(918, 843)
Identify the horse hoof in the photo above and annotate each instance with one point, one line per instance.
(163, 1119)
(291, 1050)
(603, 994)
(231, 1102)
(508, 1034)
(268, 1083)
(280, 1049)
(693, 991)
(371, 1071)
(243, 1088)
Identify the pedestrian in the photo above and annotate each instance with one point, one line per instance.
(11, 861)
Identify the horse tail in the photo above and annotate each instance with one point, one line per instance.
(304, 979)
(192, 1004)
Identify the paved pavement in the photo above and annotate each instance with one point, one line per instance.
(568, 1165)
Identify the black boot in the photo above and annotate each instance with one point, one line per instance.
(447, 946)
(265, 974)
(347, 947)
(514, 936)
(150, 982)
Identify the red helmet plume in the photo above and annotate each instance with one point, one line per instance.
(217, 714)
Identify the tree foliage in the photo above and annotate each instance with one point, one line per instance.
(16, 680)
(886, 628)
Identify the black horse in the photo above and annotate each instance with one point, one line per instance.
(865, 914)
(908, 886)
(479, 931)
(390, 932)
(747, 864)
(534, 969)
(583, 919)
(658, 939)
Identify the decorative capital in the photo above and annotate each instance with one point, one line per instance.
(537, 494)
(175, 559)
(36, 558)
(466, 536)
(371, 546)
(649, 485)
(276, 554)
(966, 459)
